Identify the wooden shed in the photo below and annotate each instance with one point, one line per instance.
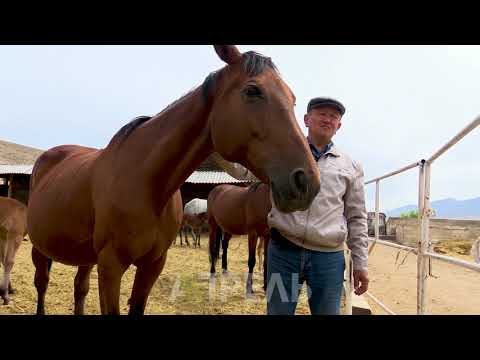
(16, 164)
(204, 179)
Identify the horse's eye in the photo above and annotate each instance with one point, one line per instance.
(253, 91)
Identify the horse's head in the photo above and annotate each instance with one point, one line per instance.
(252, 122)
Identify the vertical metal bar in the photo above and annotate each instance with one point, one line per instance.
(349, 283)
(425, 245)
(377, 209)
(420, 258)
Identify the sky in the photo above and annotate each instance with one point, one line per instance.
(403, 102)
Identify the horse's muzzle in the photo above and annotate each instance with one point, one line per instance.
(296, 191)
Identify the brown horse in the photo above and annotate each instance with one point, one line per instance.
(13, 228)
(239, 211)
(85, 208)
(193, 223)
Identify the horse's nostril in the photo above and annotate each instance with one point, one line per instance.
(299, 182)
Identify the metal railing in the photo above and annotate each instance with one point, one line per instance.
(424, 250)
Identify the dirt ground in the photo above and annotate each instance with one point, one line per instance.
(451, 290)
(182, 288)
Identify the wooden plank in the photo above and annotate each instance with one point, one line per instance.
(360, 306)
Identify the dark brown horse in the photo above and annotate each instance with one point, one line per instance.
(238, 210)
(194, 224)
(13, 228)
(85, 208)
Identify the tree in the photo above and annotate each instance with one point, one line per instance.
(413, 214)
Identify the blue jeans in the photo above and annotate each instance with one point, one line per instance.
(289, 266)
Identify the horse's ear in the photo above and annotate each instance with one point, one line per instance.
(228, 53)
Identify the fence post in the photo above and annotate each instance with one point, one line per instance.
(348, 283)
(424, 241)
(10, 186)
(377, 215)
(377, 209)
(420, 259)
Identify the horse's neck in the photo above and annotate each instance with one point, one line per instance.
(179, 139)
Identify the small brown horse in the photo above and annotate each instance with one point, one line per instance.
(239, 211)
(85, 209)
(13, 228)
(193, 223)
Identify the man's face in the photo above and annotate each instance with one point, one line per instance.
(323, 122)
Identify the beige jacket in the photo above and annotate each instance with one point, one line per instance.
(337, 214)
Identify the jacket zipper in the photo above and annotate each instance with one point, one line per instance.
(306, 227)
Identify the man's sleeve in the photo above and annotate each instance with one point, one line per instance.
(238, 171)
(356, 216)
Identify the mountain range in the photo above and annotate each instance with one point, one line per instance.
(447, 209)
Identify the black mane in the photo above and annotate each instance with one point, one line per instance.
(253, 64)
(127, 129)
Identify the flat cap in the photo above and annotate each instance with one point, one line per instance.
(323, 101)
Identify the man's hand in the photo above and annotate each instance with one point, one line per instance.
(360, 281)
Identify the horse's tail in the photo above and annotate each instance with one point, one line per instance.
(215, 239)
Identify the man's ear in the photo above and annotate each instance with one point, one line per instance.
(339, 126)
(306, 120)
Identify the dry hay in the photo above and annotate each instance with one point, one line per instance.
(454, 248)
(186, 268)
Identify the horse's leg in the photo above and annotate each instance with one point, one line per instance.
(259, 253)
(198, 233)
(265, 254)
(82, 285)
(213, 243)
(186, 235)
(145, 277)
(42, 276)
(110, 271)
(252, 246)
(12, 245)
(225, 241)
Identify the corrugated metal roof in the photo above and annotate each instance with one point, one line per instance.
(212, 177)
(15, 169)
(197, 177)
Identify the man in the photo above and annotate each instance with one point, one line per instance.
(308, 246)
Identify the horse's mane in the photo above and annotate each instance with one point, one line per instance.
(253, 64)
(127, 129)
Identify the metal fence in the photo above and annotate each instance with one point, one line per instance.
(424, 249)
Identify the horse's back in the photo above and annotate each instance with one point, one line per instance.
(226, 204)
(51, 160)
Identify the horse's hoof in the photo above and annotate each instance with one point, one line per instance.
(250, 295)
(6, 301)
(225, 272)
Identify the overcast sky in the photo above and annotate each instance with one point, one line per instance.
(403, 102)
